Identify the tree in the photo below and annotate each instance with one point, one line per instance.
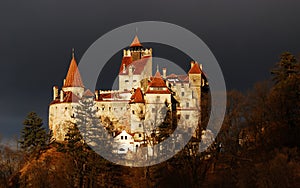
(285, 68)
(78, 152)
(87, 121)
(33, 135)
(285, 96)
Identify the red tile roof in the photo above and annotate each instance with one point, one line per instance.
(158, 91)
(88, 93)
(139, 66)
(157, 81)
(73, 78)
(172, 76)
(195, 69)
(137, 96)
(68, 97)
(136, 42)
(125, 61)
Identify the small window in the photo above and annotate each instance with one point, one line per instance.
(125, 137)
(140, 135)
(187, 116)
(109, 108)
(66, 108)
(153, 110)
(182, 94)
(134, 80)
(141, 111)
(121, 137)
(126, 80)
(140, 125)
(121, 108)
(132, 111)
(187, 104)
(157, 97)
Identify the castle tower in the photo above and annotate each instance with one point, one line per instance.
(136, 66)
(61, 109)
(158, 97)
(73, 81)
(137, 113)
(136, 49)
(195, 80)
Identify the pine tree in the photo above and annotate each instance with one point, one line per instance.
(286, 68)
(94, 134)
(33, 135)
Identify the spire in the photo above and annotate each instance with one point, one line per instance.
(73, 53)
(157, 74)
(157, 68)
(73, 78)
(136, 42)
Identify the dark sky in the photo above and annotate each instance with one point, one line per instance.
(36, 38)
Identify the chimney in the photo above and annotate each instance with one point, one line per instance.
(55, 92)
(64, 82)
(164, 73)
(61, 96)
(97, 94)
(130, 71)
(192, 63)
(124, 68)
(200, 66)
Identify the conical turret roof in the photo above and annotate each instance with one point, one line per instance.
(195, 69)
(73, 78)
(136, 42)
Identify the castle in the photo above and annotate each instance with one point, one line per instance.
(141, 103)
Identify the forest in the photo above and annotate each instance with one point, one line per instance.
(257, 146)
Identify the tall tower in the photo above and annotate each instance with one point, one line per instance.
(195, 81)
(136, 65)
(61, 109)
